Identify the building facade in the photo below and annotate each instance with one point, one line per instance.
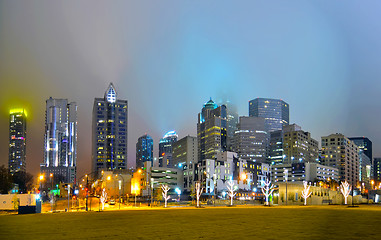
(363, 144)
(211, 130)
(275, 149)
(144, 151)
(275, 112)
(17, 140)
(340, 152)
(165, 149)
(109, 132)
(377, 170)
(250, 142)
(184, 156)
(303, 171)
(60, 152)
(298, 146)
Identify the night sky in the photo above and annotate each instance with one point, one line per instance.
(167, 58)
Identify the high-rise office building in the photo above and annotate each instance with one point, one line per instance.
(250, 141)
(110, 134)
(165, 149)
(275, 112)
(60, 152)
(298, 146)
(184, 156)
(377, 170)
(340, 152)
(232, 121)
(366, 156)
(144, 151)
(211, 130)
(17, 140)
(275, 148)
(365, 168)
(363, 144)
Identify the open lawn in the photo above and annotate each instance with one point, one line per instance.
(298, 222)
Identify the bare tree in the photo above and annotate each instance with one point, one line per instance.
(198, 193)
(103, 198)
(267, 190)
(165, 189)
(345, 189)
(231, 191)
(306, 192)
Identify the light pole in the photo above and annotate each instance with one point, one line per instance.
(68, 197)
(121, 185)
(215, 188)
(286, 178)
(178, 191)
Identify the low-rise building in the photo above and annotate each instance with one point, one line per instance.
(304, 171)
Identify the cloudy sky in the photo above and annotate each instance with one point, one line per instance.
(167, 58)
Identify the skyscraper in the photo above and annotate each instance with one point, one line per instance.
(251, 139)
(110, 118)
(60, 152)
(275, 148)
(340, 152)
(275, 112)
(232, 121)
(165, 149)
(144, 151)
(377, 170)
(211, 130)
(17, 140)
(185, 157)
(298, 146)
(364, 144)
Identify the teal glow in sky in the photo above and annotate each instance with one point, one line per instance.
(167, 58)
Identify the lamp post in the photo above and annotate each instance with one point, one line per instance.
(68, 197)
(215, 188)
(286, 178)
(41, 179)
(178, 191)
(121, 186)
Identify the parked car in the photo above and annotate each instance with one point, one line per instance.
(111, 202)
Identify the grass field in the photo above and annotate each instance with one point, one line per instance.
(310, 222)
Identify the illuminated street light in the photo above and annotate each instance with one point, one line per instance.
(178, 191)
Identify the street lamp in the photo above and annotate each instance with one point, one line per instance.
(121, 185)
(178, 191)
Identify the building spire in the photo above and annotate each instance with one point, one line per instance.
(110, 94)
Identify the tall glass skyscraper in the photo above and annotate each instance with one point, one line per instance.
(144, 151)
(250, 141)
(364, 144)
(211, 130)
(17, 140)
(110, 118)
(165, 149)
(60, 152)
(275, 112)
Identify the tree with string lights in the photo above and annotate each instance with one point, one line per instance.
(306, 192)
(198, 193)
(165, 189)
(345, 189)
(103, 198)
(267, 190)
(231, 191)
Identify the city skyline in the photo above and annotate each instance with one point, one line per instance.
(168, 64)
